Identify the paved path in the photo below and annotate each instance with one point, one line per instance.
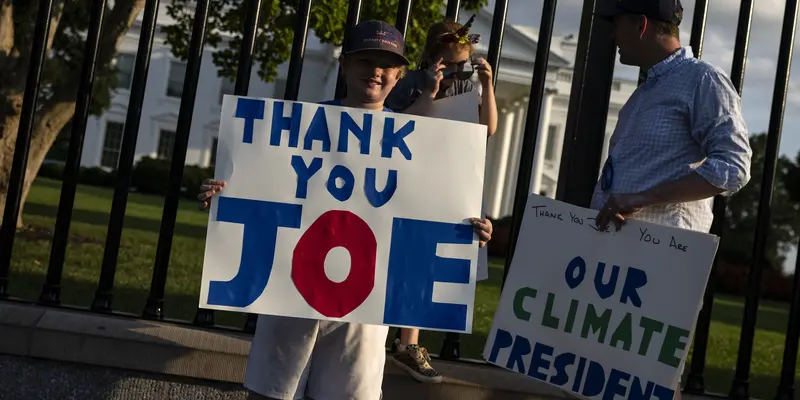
(29, 379)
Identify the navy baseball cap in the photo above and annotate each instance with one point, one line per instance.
(670, 11)
(376, 35)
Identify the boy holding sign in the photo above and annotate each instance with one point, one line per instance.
(296, 358)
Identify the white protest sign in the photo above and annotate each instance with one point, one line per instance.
(600, 314)
(344, 214)
(464, 108)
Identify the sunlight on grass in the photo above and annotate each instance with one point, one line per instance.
(138, 249)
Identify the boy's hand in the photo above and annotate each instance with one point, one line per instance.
(484, 229)
(484, 71)
(434, 76)
(208, 189)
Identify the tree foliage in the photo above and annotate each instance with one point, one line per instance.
(276, 28)
(784, 226)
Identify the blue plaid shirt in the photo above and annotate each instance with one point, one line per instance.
(686, 117)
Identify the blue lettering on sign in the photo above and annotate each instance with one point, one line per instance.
(304, 173)
(281, 123)
(538, 362)
(502, 340)
(521, 348)
(635, 279)
(392, 139)
(376, 198)
(318, 130)
(589, 378)
(560, 364)
(349, 181)
(249, 110)
(413, 269)
(261, 220)
(347, 124)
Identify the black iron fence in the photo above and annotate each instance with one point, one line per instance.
(588, 107)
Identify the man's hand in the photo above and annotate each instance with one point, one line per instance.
(618, 207)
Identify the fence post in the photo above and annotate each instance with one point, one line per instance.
(353, 16)
(18, 165)
(51, 291)
(496, 38)
(695, 381)
(786, 386)
(741, 386)
(531, 129)
(403, 16)
(105, 287)
(205, 317)
(452, 9)
(584, 133)
(154, 309)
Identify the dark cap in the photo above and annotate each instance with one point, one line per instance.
(670, 11)
(376, 35)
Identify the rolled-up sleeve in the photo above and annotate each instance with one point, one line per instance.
(717, 124)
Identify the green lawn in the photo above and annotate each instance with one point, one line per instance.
(140, 236)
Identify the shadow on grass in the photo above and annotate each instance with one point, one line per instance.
(128, 300)
(101, 219)
(770, 317)
(719, 381)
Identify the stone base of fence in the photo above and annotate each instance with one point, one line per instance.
(185, 351)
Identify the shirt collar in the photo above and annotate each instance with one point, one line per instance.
(667, 64)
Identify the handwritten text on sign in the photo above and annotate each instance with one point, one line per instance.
(600, 314)
(344, 214)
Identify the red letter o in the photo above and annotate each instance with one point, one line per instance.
(335, 229)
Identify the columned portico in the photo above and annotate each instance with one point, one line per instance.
(542, 141)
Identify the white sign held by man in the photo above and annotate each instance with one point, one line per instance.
(344, 214)
(600, 314)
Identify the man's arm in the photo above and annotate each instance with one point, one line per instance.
(692, 187)
(716, 122)
(718, 126)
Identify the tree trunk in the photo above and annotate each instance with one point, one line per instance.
(9, 123)
(56, 111)
(51, 120)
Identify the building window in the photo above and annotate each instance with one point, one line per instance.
(549, 152)
(112, 144)
(279, 89)
(125, 70)
(166, 142)
(564, 76)
(616, 86)
(228, 87)
(177, 70)
(214, 143)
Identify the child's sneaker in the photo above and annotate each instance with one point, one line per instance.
(414, 360)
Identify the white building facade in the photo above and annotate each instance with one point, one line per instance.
(165, 83)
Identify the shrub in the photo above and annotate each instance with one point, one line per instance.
(52, 170)
(151, 176)
(733, 280)
(96, 176)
